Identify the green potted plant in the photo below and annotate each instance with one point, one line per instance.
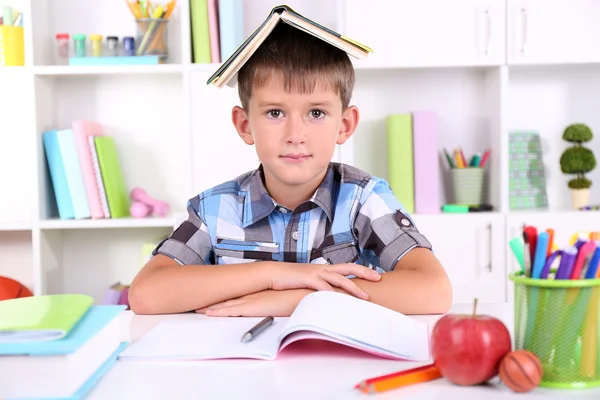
(578, 160)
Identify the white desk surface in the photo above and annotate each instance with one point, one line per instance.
(304, 376)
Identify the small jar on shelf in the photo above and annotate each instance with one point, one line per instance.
(96, 45)
(112, 46)
(62, 49)
(79, 45)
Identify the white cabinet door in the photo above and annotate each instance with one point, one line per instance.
(428, 32)
(471, 249)
(553, 31)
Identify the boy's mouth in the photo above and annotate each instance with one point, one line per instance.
(295, 157)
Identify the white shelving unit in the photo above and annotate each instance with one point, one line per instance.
(464, 59)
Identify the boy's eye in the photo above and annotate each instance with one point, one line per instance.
(317, 114)
(274, 113)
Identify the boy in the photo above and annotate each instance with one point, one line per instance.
(256, 245)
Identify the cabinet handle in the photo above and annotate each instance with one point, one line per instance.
(488, 17)
(524, 30)
(490, 249)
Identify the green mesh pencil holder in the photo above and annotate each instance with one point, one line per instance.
(557, 320)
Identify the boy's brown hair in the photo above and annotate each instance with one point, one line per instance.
(302, 60)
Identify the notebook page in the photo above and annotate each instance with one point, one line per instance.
(361, 324)
(205, 338)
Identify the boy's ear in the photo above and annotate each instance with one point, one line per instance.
(350, 118)
(242, 124)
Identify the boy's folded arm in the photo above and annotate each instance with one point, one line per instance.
(418, 284)
(415, 282)
(164, 286)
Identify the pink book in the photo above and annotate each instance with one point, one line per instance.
(82, 130)
(213, 26)
(426, 162)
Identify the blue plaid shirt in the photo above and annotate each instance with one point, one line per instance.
(352, 217)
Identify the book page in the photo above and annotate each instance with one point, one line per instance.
(361, 324)
(206, 338)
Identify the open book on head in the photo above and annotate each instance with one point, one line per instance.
(227, 73)
(328, 316)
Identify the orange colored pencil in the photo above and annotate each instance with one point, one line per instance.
(550, 241)
(399, 379)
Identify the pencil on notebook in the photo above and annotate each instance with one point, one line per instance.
(399, 379)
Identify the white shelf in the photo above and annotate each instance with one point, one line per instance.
(15, 226)
(110, 223)
(54, 70)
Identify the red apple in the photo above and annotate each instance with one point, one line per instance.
(468, 349)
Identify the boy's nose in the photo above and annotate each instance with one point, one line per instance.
(295, 132)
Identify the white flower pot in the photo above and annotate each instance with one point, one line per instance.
(580, 197)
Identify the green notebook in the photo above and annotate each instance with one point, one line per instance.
(41, 318)
(112, 177)
(399, 137)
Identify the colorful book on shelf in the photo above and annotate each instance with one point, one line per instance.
(82, 131)
(227, 73)
(426, 162)
(69, 367)
(200, 30)
(213, 30)
(58, 176)
(66, 174)
(40, 318)
(399, 133)
(231, 26)
(112, 176)
(81, 207)
(324, 316)
(98, 177)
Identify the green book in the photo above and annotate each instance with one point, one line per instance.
(112, 177)
(399, 135)
(200, 32)
(41, 318)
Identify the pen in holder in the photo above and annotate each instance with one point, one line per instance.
(152, 37)
(557, 320)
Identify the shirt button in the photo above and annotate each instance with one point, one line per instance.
(283, 210)
(296, 235)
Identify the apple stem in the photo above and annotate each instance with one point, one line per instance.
(474, 307)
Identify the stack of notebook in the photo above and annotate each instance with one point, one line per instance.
(85, 171)
(56, 346)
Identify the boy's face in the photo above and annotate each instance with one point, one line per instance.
(294, 133)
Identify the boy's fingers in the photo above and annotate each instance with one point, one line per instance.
(321, 285)
(357, 270)
(227, 311)
(346, 284)
(227, 303)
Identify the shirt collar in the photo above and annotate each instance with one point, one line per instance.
(258, 204)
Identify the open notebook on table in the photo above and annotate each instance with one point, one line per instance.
(323, 315)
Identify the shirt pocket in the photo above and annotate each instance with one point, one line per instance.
(233, 251)
(339, 253)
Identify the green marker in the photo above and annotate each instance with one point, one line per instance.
(518, 248)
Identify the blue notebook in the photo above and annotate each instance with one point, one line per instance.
(96, 318)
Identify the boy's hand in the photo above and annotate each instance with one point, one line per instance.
(268, 302)
(321, 277)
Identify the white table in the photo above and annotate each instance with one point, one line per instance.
(306, 376)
